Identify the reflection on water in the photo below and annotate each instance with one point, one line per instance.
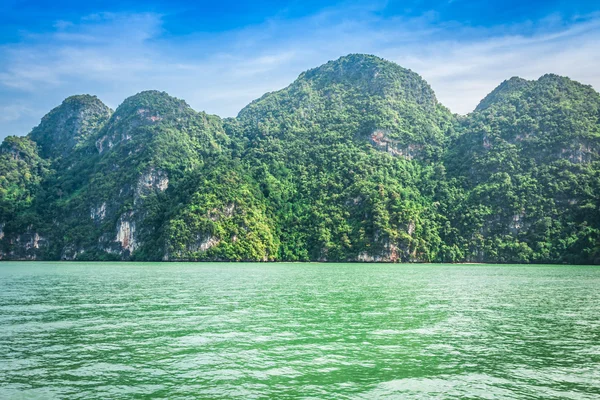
(104, 330)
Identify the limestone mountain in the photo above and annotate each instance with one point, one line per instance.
(361, 96)
(355, 160)
(69, 124)
(110, 181)
(529, 160)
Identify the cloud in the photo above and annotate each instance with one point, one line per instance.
(96, 49)
(462, 73)
(115, 55)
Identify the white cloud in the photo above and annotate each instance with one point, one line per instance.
(117, 55)
(463, 73)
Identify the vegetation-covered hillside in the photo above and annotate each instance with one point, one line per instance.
(355, 160)
(527, 169)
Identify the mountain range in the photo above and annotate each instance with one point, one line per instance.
(356, 160)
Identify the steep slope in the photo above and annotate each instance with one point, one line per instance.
(220, 213)
(529, 163)
(69, 124)
(25, 163)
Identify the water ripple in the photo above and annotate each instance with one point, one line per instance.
(336, 331)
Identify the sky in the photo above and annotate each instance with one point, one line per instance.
(220, 55)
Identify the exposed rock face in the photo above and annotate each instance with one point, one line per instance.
(516, 224)
(487, 144)
(98, 213)
(33, 242)
(70, 253)
(151, 181)
(380, 141)
(579, 154)
(205, 242)
(103, 143)
(149, 115)
(126, 233)
(411, 228)
(366, 257)
(390, 253)
(202, 243)
(26, 246)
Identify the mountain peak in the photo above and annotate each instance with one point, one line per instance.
(68, 124)
(506, 89)
(372, 74)
(355, 82)
(82, 99)
(565, 85)
(548, 86)
(150, 104)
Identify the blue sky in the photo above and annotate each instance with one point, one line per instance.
(220, 55)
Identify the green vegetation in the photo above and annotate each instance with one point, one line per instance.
(21, 172)
(355, 160)
(528, 169)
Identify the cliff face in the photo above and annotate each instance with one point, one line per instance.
(355, 160)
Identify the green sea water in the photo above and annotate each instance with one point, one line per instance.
(312, 331)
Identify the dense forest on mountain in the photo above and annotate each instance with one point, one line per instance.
(354, 161)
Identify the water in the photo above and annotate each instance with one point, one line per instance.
(335, 331)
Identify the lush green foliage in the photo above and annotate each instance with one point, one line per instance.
(527, 166)
(21, 171)
(355, 160)
(69, 124)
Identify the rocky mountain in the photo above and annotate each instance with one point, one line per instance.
(355, 160)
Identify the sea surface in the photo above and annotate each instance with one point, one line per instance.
(287, 331)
